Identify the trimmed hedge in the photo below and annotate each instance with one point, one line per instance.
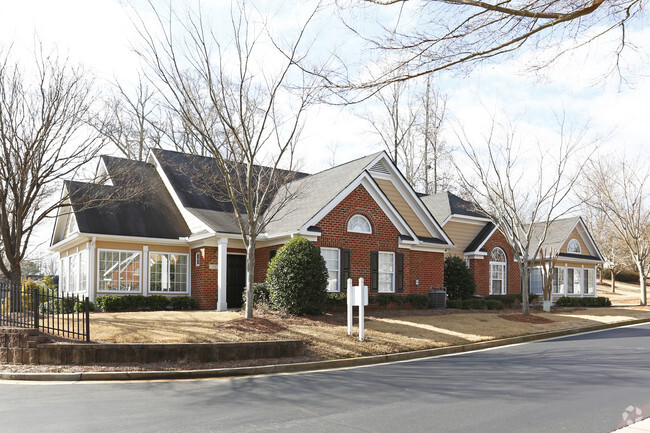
(475, 304)
(112, 303)
(415, 300)
(600, 301)
(626, 275)
(512, 300)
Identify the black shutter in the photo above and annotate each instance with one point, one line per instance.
(374, 271)
(345, 268)
(399, 275)
(272, 254)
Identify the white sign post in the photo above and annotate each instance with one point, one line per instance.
(357, 295)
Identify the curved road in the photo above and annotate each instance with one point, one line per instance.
(581, 383)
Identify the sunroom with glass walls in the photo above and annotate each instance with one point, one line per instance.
(568, 280)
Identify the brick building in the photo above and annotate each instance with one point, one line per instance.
(173, 238)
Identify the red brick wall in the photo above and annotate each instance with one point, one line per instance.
(204, 279)
(481, 268)
(426, 267)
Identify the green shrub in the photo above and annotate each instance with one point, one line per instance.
(48, 281)
(110, 303)
(455, 303)
(297, 278)
(416, 300)
(183, 303)
(338, 299)
(260, 295)
(459, 280)
(58, 306)
(157, 302)
(134, 302)
(473, 304)
(79, 306)
(511, 300)
(385, 299)
(600, 301)
(493, 304)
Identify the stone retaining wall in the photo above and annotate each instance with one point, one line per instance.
(29, 346)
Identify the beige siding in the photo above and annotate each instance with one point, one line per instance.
(403, 208)
(576, 235)
(461, 235)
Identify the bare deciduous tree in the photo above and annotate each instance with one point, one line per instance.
(609, 242)
(44, 138)
(523, 196)
(247, 118)
(421, 37)
(621, 191)
(547, 258)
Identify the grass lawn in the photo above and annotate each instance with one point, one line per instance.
(387, 331)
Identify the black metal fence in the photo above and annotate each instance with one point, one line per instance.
(65, 315)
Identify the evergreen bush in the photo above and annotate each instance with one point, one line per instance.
(459, 280)
(297, 278)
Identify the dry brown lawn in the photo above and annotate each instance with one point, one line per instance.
(387, 331)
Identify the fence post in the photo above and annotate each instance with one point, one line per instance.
(35, 306)
(87, 318)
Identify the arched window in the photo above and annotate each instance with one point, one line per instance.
(359, 224)
(497, 272)
(574, 247)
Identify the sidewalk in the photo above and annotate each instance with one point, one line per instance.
(639, 427)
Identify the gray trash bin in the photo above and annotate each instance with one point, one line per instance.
(437, 299)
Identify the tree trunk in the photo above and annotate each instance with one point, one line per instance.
(525, 309)
(642, 282)
(250, 276)
(613, 281)
(16, 281)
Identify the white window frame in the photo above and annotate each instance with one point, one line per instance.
(541, 280)
(138, 252)
(187, 273)
(504, 280)
(337, 270)
(379, 272)
(574, 242)
(70, 280)
(197, 258)
(367, 221)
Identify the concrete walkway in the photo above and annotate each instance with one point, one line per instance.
(638, 427)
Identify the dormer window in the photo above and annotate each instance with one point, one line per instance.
(574, 247)
(359, 224)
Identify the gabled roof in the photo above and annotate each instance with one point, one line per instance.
(445, 204)
(480, 238)
(136, 204)
(558, 234)
(313, 193)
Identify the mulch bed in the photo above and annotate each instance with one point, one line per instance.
(527, 319)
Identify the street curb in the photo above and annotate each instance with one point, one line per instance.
(306, 366)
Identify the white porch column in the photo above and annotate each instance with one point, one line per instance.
(144, 280)
(594, 280)
(222, 257)
(566, 280)
(92, 278)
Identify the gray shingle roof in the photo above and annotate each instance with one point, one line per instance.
(313, 193)
(137, 204)
(480, 238)
(444, 204)
(557, 233)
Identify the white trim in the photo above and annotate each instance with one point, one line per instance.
(187, 275)
(478, 249)
(222, 263)
(197, 259)
(193, 222)
(377, 195)
(367, 221)
(99, 251)
(575, 243)
(466, 219)
(338, 269)
(92, 256)
(146, 276)
(379, 253)
(422, 246)
(416, 204)
(504, 265)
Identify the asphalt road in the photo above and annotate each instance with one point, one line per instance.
(581, 383)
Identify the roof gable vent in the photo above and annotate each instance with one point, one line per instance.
(380, 168)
